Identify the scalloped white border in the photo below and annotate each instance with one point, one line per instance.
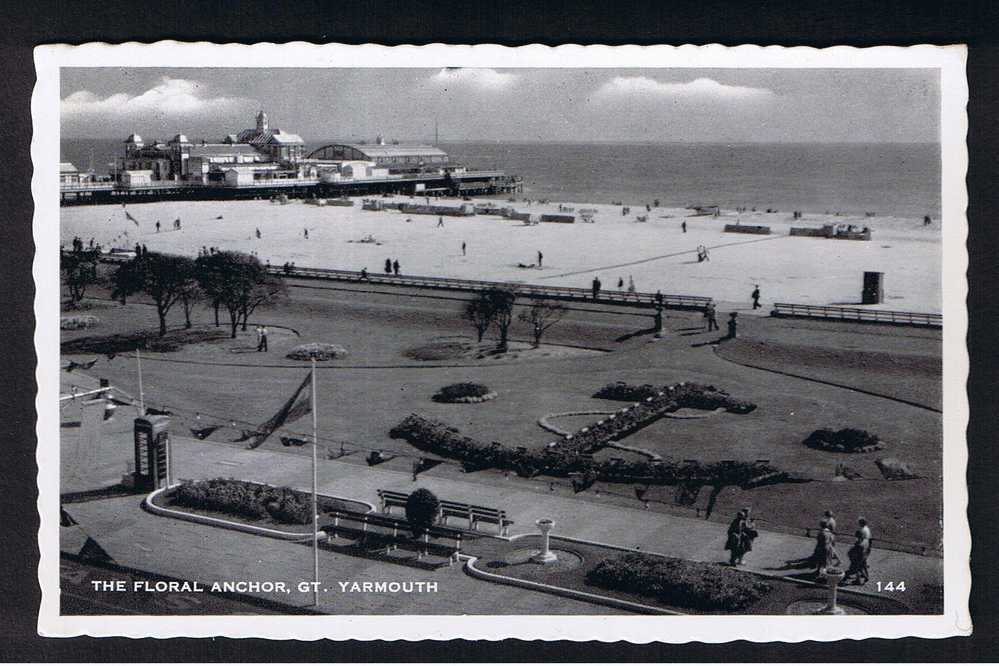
(950, 60)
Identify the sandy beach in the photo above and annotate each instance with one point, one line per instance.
(656, 254)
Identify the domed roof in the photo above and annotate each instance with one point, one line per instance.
(133, 138)
(179, 138)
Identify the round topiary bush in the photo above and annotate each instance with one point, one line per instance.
(76, 322)
(847, 440)
(422, 510)
(321, 351)
(465, 392)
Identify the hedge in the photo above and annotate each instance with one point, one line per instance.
(245, 499)
(626, 392)
(695, 585)
(463, 392)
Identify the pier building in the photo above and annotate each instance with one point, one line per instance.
(264, 161)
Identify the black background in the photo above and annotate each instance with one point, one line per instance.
(510, 23)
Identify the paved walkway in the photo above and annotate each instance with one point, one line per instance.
(186, 550)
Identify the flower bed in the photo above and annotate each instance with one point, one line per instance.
(570, 455)
(847, 440)
(465, 392)
(76, 322)
(254, 501)
(696, 585)
(321, 351)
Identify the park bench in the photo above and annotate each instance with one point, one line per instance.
(385, 533)
(473, 513)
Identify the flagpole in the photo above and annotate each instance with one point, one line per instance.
(315, 483)
(142, 399)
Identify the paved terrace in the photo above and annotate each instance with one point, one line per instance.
(185, 550)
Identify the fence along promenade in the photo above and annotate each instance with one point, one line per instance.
(605, 296)
(857, 314)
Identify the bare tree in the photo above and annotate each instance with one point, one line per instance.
(238, 283)
(480, 313)
(79, 271)
(501, 302)
(162, 277)
(542, 315)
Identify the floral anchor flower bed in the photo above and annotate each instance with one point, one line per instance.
(571, 454)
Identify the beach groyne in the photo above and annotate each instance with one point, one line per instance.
(747, 229)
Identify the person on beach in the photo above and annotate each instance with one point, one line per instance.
(711, 316)
(364, 273)
(620, 283)
(395, 267)
(595, 287)
(440, 221)
(157, 226)
(631, 285)
(683, 225)
(463, 247)
(306, 231)
(388, 267)
(756, 297)
(927, 221)
(541, 258)
(858, 554)
(257, 231)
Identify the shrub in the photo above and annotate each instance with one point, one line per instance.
(76, 322)
(422, 509)
(321, 351)
(463, 392)
(695, 585)
(250, 500)
(626, 392)
(847, 440)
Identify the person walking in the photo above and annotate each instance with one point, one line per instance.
(620, 283)
(595, 287)
(733, 325)
(257, 330)
(859, 553)
(258, 232)
(830, 521)
(741, 533)
(825, 554)
(683, 225)
(711, 315)
(541, 259)
(157, 226)
(463, 247)
(440, 221)
(395, 267)
(388, 267)
(306, 231)
(756, 298)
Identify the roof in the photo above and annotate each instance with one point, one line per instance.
(222, 149)
(252, 136)
(67, 167)
(376, 151)
(179, 138)
(133, 138)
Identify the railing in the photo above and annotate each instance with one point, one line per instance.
(857, 314)
(607, 297)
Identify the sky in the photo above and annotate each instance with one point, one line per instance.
(514, 105)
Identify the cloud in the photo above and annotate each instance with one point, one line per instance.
(481, 78)
(170, 97)
(698, 89)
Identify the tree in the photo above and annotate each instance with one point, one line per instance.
(542, 315)
(162, 277)
(501, 302)
(239, 283)
(79, 271)
(422, 510)
(480, 313)
(189, 296)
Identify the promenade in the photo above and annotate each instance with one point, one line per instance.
(137, 539)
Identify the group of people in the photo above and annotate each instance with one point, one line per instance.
(742, 532)
(391, 267)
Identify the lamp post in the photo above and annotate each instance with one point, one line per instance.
(545, 556)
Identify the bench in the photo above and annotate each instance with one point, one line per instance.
(473, 513)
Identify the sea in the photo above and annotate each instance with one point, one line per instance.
(896, 179)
